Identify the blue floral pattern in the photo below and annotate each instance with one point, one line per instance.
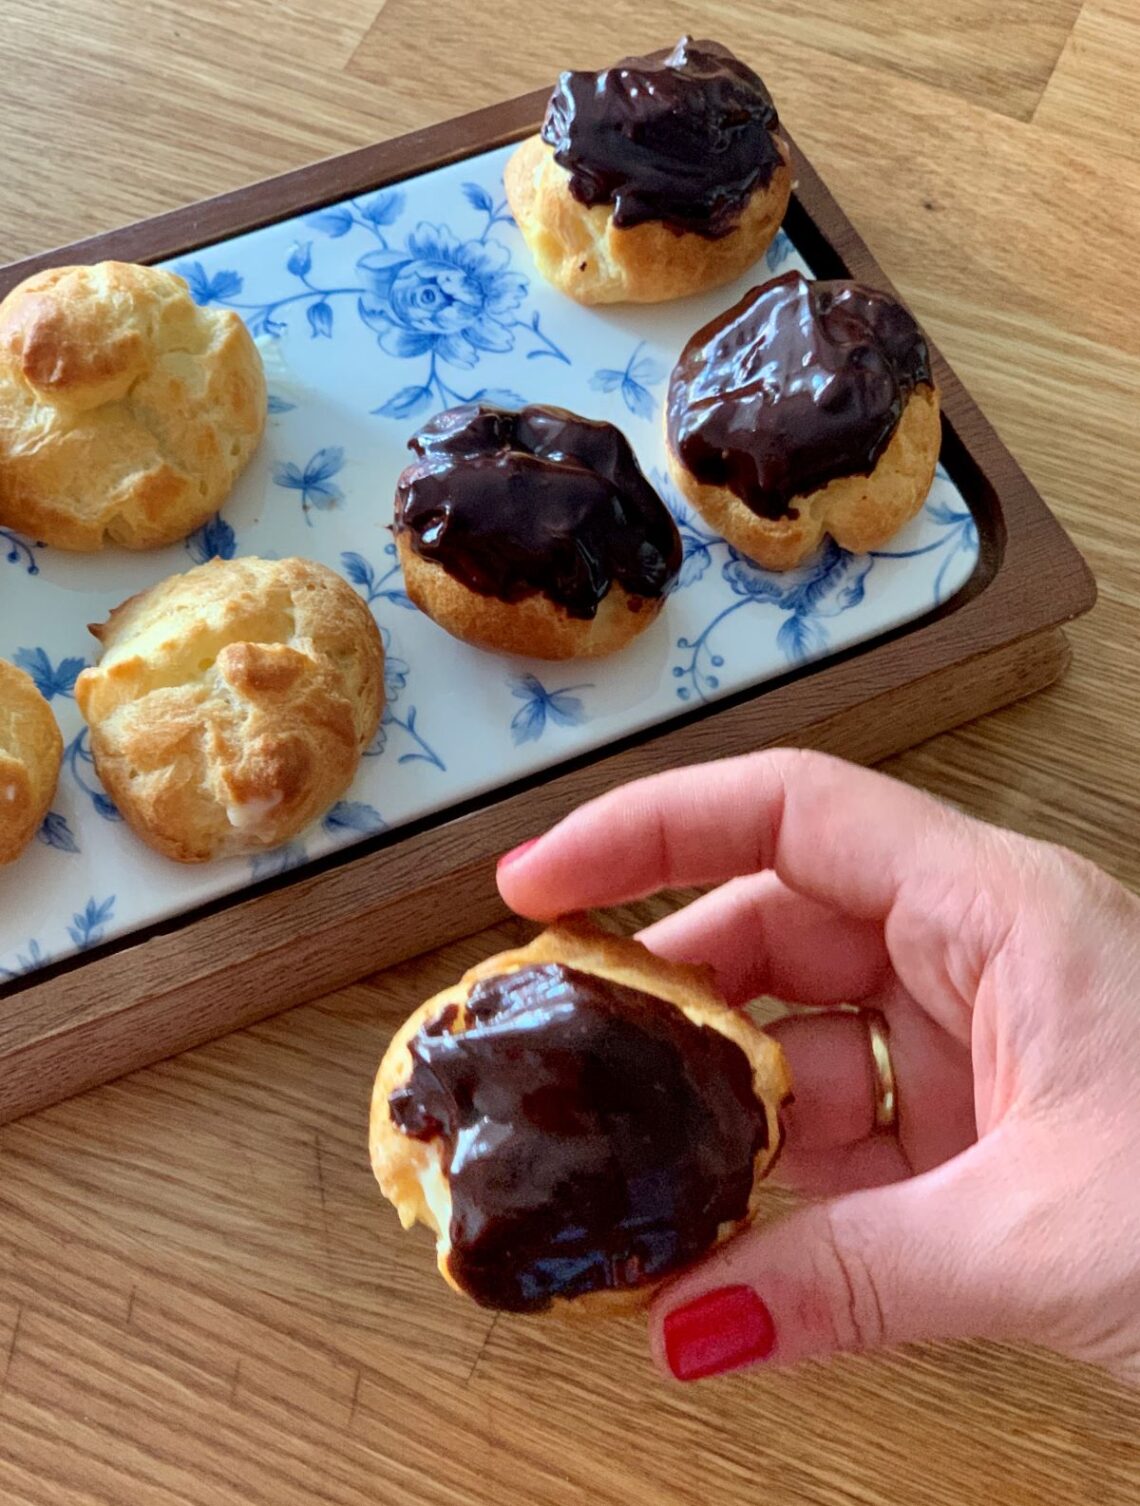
(542, 707)
(372, 314)
(634, 381)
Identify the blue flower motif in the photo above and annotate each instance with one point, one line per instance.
(87, 928)
(778, 252)
(55, 832)
(19, 551)
(51, 681)
(640, 373)
(215, 540)
(26, 962)
(315, 483)
(442, 296)
(278, 860)
(205, 289)
(320, 317)
(375, 587)
(383, 208)
(78, 757)
(353, 815)
(540, 705)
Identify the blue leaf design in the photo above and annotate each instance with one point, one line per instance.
(501, 397)
(300, 261)
(395, 677)
(325, 463)
(278, 860)
(335, 221)
(214, 540)
(353, 815)
(279, 404)
(55, 832)
(563, 708)
(404, 403)
(637, 399)
(383, 208)
(647, 371)
(606, 379)
(695, 561)
(800, 636)
(747, 579)
(357, 569)
(49, 681)
(567, 710)
(943, 513)
(320, 317)
(286, 474)
(87, 928)
(205, 289)
(478, 198)
(400, 599)
(105, 806)
(528, 724)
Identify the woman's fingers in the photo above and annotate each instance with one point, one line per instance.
(942, 886)
(875, 1162)
(762, 938)
(832, 1079)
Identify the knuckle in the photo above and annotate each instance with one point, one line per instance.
(856, 1314)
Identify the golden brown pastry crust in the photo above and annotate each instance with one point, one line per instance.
(400, 1163)
(31, 750)
(126, 411)
(232, 704)
(859, 512)
(535, 627)
(579, 249)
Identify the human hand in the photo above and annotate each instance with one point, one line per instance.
(1007, 1205)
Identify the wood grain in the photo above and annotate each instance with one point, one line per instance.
(201, 1301)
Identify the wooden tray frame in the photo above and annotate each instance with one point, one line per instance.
(131, 1002)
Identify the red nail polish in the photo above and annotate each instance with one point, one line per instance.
(720, 1331)
(516, 852)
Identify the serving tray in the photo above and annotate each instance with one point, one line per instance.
(382, 286)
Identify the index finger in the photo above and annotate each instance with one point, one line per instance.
(840, 834)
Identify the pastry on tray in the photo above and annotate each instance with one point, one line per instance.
(231, 705)
(533, 532)
(126, 411)
(809, 408)
(576, 1121)
(31, 750)
(652, 180)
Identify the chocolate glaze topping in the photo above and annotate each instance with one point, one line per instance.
(797, 384)
(685, 141)
(513, 504)
(593, 1135)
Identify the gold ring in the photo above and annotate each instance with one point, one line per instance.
(883, 1069)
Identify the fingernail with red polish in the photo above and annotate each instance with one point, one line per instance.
(515, 853)
(720, 1331)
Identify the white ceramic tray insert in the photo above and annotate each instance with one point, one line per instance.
(372, 315)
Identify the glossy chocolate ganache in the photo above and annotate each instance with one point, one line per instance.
(685, 141)
(538, 501)
(798, 383)
(593, 1136)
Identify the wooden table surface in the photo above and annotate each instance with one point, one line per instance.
(202, 1299)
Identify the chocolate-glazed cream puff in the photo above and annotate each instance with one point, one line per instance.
(576, 1121)
(652, 180)
(533, 532)
(808, 408)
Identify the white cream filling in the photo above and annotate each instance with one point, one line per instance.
(248, 815)
(437, 1196)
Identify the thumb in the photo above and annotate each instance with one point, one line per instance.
(928, 1258)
